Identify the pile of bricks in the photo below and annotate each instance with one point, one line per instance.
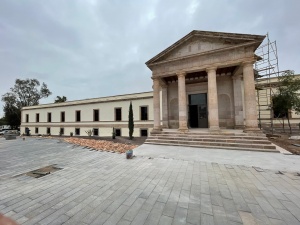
(101, 145)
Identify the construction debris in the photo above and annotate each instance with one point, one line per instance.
(101, 145)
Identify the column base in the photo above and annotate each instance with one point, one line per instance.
(183, 130)
(156, 131)
(239, 127)
(165, 126)
(252, 130)
(214, 129)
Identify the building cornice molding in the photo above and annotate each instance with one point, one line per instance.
(135, 96)
(239, 40)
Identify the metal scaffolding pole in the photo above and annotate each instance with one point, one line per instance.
(266, 67)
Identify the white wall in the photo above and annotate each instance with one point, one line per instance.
(105, 125)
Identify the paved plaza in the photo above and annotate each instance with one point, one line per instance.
(97, 187)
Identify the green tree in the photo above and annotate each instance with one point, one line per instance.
(130, 121)
(60, 99)
(287, 98)
(23, 93)
(3, 121)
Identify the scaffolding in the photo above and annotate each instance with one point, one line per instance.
(266, 68)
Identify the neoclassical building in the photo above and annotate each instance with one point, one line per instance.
(207, 81)
(204, 80)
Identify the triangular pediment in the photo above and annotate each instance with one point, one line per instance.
(201, 42)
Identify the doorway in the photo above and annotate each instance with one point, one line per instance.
(198, 110)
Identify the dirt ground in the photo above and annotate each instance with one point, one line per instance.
(125, 140)
(119, 144)
(282, 140)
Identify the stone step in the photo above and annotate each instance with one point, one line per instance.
(219, 147)
(213, 133)
(223, 140)
(232, 144)
(178, 135)
(210, 139)
(216, 144)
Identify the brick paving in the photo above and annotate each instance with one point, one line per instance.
(97, 187)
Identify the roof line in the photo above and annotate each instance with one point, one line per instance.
(207, 34)
(83, 101)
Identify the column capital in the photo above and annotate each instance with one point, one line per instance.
(213, 68)
(155, 78)
(163, 84)
(248, 62)
(237, 77)
(181, 74)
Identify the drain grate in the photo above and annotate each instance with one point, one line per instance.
(43, 171)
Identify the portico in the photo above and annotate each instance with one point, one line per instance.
(206, 80)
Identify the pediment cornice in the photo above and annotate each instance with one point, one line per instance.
(229, 41)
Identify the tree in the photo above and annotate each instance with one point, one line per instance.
(60, 99)
(3, 121)
(130, 121)
(287, 98)
(24, 93)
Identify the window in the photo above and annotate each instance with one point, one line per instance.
(96, 114)
(49, 118)
(36, 130)
(77, 131)
(118, 131)
(48, 130)
(62, 131)
(37, 117)
(27, 118)
(118, 114)
(96, 132)
(78, 116)
(62, 116)
(144, 112)
(144, 132)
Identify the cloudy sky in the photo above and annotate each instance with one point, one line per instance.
(94, 48)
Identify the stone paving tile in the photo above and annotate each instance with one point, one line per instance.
(104, 188)
(165, 220)
(155, 214)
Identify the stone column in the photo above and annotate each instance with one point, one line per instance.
(250, 98)
(182, 102)
(238, 102)
(213, 110)
(156, 104)
(165, 108)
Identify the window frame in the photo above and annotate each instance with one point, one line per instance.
(141, 115)
(37, 117)
(120, 132)
(94, 131)
(144, 129)
(118, 108)
(76, 119)
(26, 118)
(98, 115)
(49, 117)
(77, 129)
(36, 130)
(62, 116)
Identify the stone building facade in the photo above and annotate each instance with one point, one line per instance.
(207, 81)
(204, 80)
(99, 115)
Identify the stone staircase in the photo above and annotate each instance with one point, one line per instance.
(224, 140)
